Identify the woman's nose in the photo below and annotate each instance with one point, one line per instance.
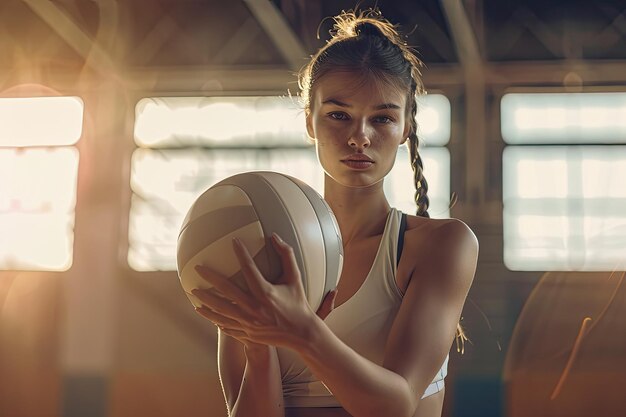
(359, 139)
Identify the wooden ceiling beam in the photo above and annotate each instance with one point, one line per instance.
(474, 140)
(462, 34)
(73, 35)
(276, 27)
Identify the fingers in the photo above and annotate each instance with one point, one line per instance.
(235, 333)
(223, 306)
(229, 327)
(219, 320)
(328, 304)
(256, 281)
(291, 272)
(224, 285)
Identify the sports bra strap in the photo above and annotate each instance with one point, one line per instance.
(401, 237)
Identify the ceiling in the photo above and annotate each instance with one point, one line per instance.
(73, 36)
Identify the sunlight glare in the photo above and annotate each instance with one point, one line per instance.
(40, 121)
(37, 200)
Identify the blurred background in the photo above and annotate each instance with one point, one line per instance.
(115, 115)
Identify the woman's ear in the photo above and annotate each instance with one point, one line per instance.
(405, 132)
(309, 125)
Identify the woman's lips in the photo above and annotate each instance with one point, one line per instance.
(358, 161)
(358, 164)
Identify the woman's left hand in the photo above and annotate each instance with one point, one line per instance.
(273, 314)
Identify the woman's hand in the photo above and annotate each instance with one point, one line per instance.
(271, 314)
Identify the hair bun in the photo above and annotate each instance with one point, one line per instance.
(365, 28)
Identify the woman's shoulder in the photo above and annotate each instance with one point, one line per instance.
(430, 228)
(438, 239)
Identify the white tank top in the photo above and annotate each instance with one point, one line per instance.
(363, 322)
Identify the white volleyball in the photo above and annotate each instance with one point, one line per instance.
(251, 206)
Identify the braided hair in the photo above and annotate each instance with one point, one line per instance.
(368, 44)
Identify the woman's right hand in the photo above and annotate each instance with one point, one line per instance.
(328, 304)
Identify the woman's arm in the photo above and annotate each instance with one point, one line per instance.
(250, 378)
(250, 372)
(418, 342)
(362, 387)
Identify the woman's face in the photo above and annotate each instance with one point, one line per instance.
(357, 124)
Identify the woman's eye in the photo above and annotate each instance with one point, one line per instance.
(383, 119)
(338, 116)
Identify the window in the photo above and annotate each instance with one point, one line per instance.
(38, 177)
(564, 118)
(187, 144)
(564, 205)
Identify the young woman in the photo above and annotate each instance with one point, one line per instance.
(378, 345)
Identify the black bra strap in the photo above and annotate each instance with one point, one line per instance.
(401, 237)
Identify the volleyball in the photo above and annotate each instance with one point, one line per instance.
(251, 206)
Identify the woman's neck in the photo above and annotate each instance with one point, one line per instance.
(360, 212)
